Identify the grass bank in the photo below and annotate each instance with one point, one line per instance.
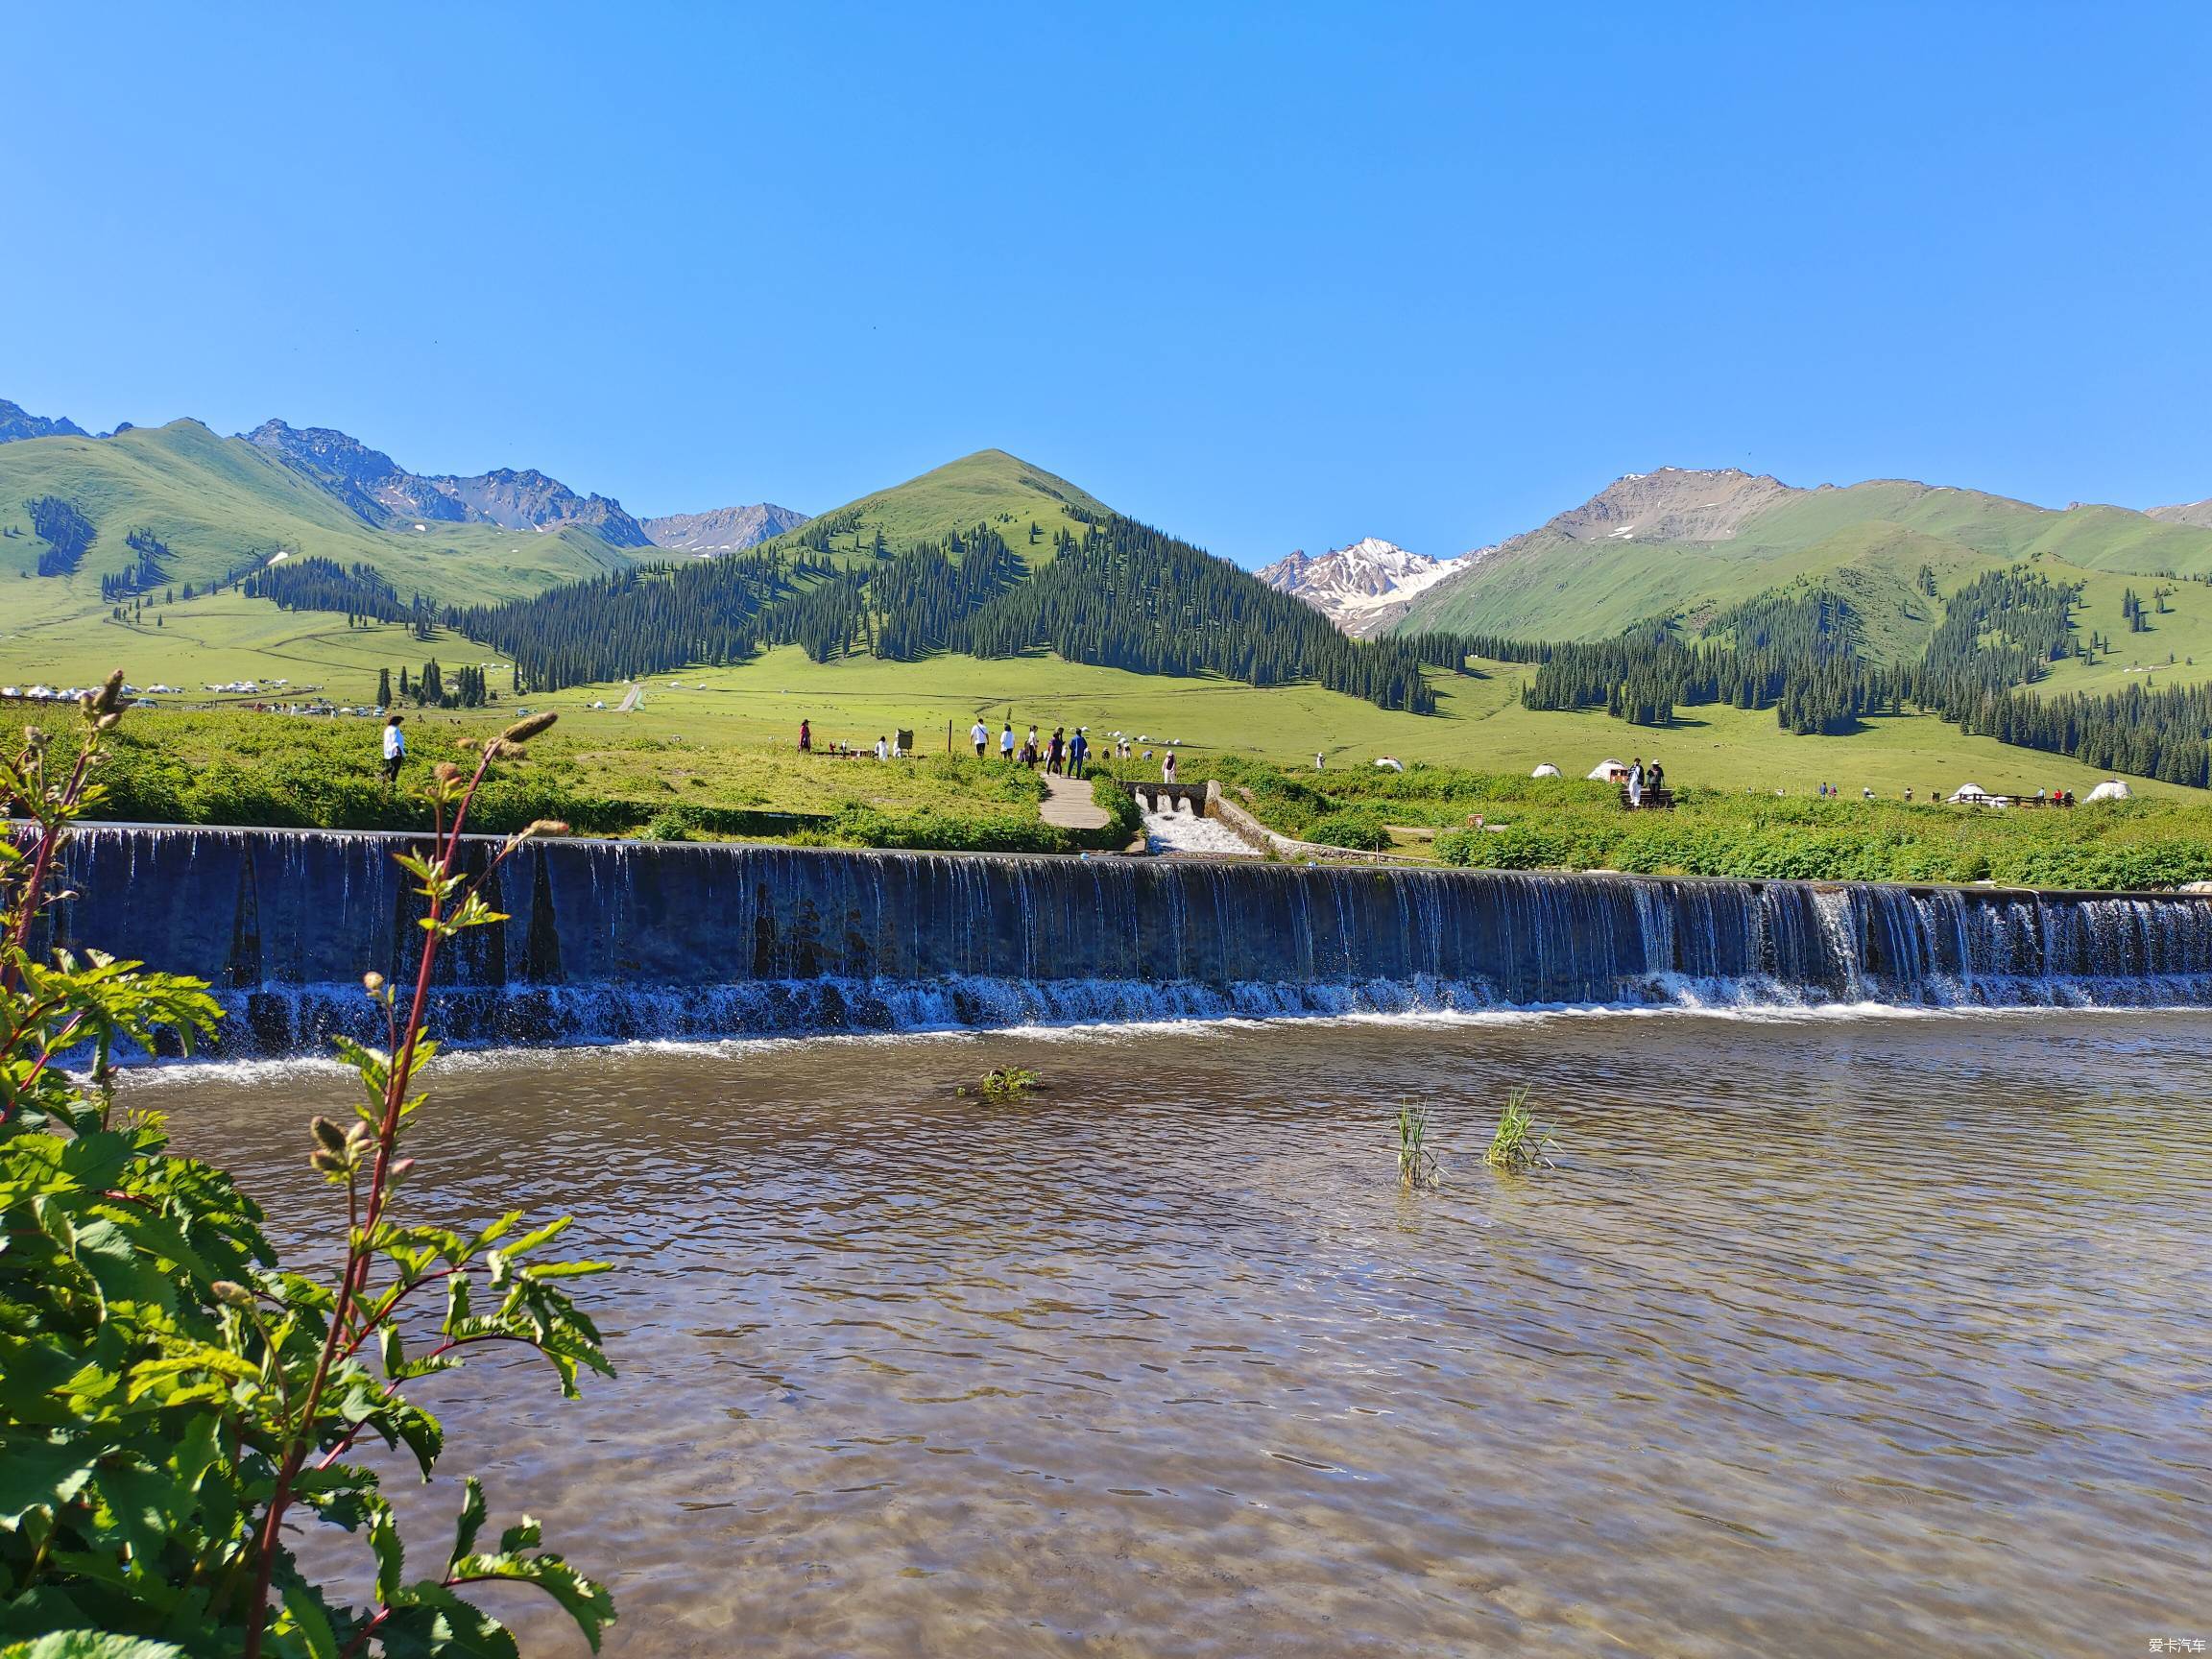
(1566, 824)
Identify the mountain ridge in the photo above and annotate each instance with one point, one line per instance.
(17, 423)
(1661, 544)
(1361, 586)
(721, 529)
(382, 492)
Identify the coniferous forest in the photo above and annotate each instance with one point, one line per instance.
(1119, 594)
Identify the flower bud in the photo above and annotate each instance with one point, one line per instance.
(401, 1167)
(544, 827)
(358, 1133)
(372, 983)
(333, 1136)
(231, 1294)
(522, 730)
(110, 696)
(329, 1162)
(445, 772)
(110, 721)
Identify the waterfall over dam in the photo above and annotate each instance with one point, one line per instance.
(611, 940)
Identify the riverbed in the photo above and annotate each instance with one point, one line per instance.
(1826, 1335)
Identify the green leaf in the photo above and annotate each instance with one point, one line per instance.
(471, 1520)
(390, 1553)
(40, 1474)
(91, 1645)
(308, 1619)
(585, 1600)
(436, 1624)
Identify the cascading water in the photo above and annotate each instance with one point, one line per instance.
(615, 940)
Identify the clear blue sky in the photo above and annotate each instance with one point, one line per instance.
(1267, 275)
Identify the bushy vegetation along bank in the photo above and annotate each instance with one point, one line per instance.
(1565, 824)
(296, 772)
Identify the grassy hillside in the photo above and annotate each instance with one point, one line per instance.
(218, 502)
(1869, 540)
(989, 487)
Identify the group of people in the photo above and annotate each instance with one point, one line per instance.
(887, 748)
(1064, 754)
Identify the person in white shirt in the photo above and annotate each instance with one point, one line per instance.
(980, 736)
(1006, 742)
(883, 749)
(394, 748)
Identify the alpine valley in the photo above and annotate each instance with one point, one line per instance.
(1889, 630)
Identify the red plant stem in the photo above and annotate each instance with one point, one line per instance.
(356, 1276)
(49, 834)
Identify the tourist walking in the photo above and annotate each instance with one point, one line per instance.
(1655, 778)
(394, 749)
(1078, 752)
(1167, 768)
(1006, 742)
(1030, 750)
(805, 737)
(882, 747)
(1636, 782)
(980, 736)
(1055, 749)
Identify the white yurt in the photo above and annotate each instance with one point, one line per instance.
(2111, 789)
(1547, 770)
(1970, 795)
(1606, 770)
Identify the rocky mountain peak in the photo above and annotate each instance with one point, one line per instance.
(1359, 587)
(721, 529)
(17, 423)
(1673, 504)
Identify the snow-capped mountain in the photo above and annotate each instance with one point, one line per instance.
(1362, 587)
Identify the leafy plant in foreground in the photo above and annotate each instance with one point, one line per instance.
(1520, 1142)
(171, 1397)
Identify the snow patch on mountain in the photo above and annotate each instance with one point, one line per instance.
(1364, 585)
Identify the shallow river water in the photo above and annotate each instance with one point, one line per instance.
(1839, 1336)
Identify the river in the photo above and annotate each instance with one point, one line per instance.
(1843, 1333)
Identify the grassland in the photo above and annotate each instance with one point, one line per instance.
(759, 704)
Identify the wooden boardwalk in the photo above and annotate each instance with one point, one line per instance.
(1070, 806)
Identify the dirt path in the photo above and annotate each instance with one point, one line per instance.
(1070, 806)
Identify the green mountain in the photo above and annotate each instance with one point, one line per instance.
(1682, 544)
(990, 488)
(987, 557)
(214, 506)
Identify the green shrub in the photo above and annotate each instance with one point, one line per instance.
(170, 1392)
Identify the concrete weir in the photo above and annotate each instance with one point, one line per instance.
(614, 940)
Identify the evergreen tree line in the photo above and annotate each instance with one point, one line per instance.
(434, 688)
(66, 531)
(150, 570)
(318, 584)
(1120, 594)
(1126, 595)
(644, 620)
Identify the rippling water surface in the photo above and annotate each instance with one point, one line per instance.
(1835, 1337)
